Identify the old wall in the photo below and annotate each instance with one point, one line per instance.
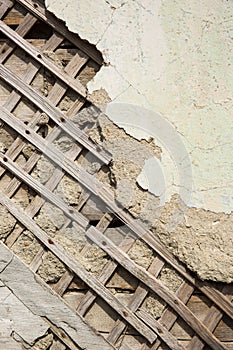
(166, 73)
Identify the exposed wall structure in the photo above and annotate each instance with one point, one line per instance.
(78, 268)
(166, 72)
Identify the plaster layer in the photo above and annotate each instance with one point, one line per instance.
(200, 238)
(172, 58)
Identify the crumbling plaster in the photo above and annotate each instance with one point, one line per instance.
(166, 74)
(172, 58)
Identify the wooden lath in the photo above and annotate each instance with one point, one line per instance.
(154, 332)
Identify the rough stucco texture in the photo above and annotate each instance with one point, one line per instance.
(167, 75)
(173, 58)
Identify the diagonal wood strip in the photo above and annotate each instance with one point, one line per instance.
(169, 297)
(42, 190)
(23, 28)
(39, 11)
(163, 333)
(77, 268)
(54, 113)
(39, 298)
(42, 59)
(96, 187)
(4, 7)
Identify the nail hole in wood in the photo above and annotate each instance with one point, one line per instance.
(39, 55)
(27, 132)
(50, 241)
(26, 122)
(5, 159)
(62, 120)
(35, 5)
(104, 243)
(71, 211)
(125, 313)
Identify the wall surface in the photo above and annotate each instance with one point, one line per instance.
(167, 75)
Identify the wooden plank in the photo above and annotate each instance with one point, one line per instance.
(41, 301)
(64, 282)
(99, 189)
(77, 268)
(54, 113)
(136, 300)
(42, 59)
(162, 332)
(211, 321)
(14, 17)
(169, 317)
(54, 95)
(169, 297)
(91, 183)
(42, 190)
(23, 28)
(39, 11)
(5, 7)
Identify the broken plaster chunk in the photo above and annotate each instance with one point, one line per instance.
(45, 305)
(69, 190)
(43, 120)
(154, 305)
(7, 222)
(64, 143)
(43, 170)
(93, 260)
(141, 254)
(205, 247)
(26, 247)
(50, 218)
(51, 268)
(10, 309)
(170, 278)
(86, 118)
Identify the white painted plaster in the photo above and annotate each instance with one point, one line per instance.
(172, 58)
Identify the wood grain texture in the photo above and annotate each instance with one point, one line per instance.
(41, 301)
(77, 268)
(160, 289)
(40, 12)
(54, 113)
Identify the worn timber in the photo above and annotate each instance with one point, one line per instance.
(44, 70)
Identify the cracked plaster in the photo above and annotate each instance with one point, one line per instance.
(166, 73)
(172, 58)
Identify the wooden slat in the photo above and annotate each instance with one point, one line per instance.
(54, 113)
(43, 191)
(162, 332)
(39, 11)
(77, 268)
(169, 317)
(42, 59)
(41, 301)
(5, 7)
(137, 299)
(211, 321)
(170, 298)
(104, 193)
(23, 28)
(54, 96)
(64, 282)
